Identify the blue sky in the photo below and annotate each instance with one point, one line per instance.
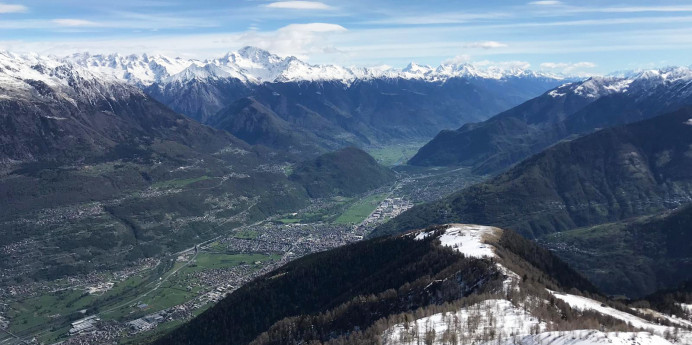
(561, 36)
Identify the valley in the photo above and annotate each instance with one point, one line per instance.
(152, 295)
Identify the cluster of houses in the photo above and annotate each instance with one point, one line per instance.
(85, 325)
(387, 209)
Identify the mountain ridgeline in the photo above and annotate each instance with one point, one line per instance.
(274, 101)
(345, 295)
(569, 110)
(606, 176)
(330, 114)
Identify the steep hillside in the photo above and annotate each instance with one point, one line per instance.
(634, 257)
(571, 109)
(448, 284)
(607, 176)
(346, 172)
(256, 124)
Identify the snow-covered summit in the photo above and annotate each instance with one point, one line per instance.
(255, 65)
(470, 240)
(34, 76)
(636, 83)
(520, 313)
(138, 69)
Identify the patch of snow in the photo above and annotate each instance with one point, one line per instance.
(672, 319)
(512, 279)
(466, 239)
(587, 337)
(469, 324)
(556, 93)
(686, 307)
(583, 303)
(469, 240)
(54, 117)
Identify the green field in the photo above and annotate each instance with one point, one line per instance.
(206, 261)
(289, 220)
(395, 154)
(361, 209)
(37, 311)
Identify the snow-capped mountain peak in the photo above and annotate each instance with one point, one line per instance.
(636, 83)
(137, 69)
(35, 77)
(255, 65)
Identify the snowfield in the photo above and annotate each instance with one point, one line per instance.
(470, 240)
(467, 239)
(254, 65)
(469, 325)
(589, 337)
(686, 307)
(512, 324)
(498, 321)
(583, 303)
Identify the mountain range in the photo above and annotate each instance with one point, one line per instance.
(567, 111)
(606, 176)
(253, 65)
(345, 105)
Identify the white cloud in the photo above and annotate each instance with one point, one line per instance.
(485, 45)
(12, 8)
(300, 5)
(314, 27)
(73, 22)
(546, 3)
(576, 68)
(437, 18)
(502, 65)
(300, 40)
(458, 60)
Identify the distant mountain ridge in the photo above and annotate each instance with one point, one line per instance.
(568, 110)
(610, 175)
(254, 65)
(202, 88)
(51, 110)
(634, 257)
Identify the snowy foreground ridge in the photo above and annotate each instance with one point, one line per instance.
(508, 325)
(501, 321)
(467, 239)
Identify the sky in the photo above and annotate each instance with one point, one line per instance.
(561, 36)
